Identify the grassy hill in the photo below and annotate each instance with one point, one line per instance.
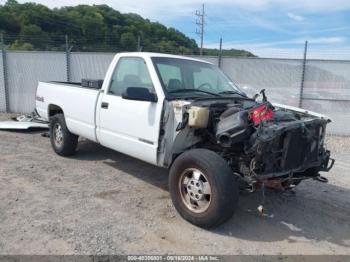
(31, 26)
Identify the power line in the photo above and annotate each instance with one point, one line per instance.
(200, 24)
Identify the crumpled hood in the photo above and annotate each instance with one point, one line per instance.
(304, 111)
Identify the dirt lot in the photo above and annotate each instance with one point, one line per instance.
(103, 202)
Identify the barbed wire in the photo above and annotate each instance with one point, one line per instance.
(99, 43)
(109, 42)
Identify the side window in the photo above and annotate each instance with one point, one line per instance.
(130, 72)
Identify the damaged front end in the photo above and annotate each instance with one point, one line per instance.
(279, 147)
(264, 144)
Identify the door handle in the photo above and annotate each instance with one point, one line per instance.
(104, 105)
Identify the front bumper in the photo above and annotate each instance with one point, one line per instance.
(324, 165)
(293, 149)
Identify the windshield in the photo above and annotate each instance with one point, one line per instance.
(183, 78)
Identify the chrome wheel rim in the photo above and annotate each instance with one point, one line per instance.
(195, 190)
(58, 134)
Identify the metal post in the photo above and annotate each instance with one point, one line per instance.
(4, 70)
(303, 77)
(67, 59)
(138, 44)
(220, 53)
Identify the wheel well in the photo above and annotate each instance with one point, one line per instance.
(54, 110)
(172, 159)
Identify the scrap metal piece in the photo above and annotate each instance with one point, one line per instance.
(261, 210)
(16, 125)
(24, 122)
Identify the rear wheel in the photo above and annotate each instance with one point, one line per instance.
(63, 142)
(202, 187)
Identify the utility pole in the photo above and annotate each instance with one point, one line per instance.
(139, 48)
(200, 23)
(4, 70)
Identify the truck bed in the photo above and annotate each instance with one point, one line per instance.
(77, 102)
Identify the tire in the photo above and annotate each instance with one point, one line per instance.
(214, 209)
(63, 142)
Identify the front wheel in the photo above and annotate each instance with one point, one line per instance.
(203, 188)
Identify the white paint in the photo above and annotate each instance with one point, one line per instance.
(300, 110)
(128, 126)
(77, 104)
(16, 125)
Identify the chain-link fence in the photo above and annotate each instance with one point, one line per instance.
(24, 70)
(91, 65)
(327, 90)
(317, 85)
(324, 89)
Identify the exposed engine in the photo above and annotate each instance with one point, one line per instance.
(261, 141)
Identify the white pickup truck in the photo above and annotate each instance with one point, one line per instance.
(186, 115)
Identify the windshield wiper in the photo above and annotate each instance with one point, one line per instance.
(230, 92)
(184, 90)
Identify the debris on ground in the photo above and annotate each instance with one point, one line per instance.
(24, 122)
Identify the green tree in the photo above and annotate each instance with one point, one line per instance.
(91, 28)
(128, 41)
(34, 35)
(17, 45)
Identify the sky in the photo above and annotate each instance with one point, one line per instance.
(268, 28)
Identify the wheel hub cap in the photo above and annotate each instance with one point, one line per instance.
(58, 135)
(195, 190)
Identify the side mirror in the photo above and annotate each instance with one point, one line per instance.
(140, 94)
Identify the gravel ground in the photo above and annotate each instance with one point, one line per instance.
(103, 202)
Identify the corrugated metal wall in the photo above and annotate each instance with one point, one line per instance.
(326, 87)
(327, 90)
(95, 65)
(25, 69)
(280, 77)
(211, 59)
(89, 65)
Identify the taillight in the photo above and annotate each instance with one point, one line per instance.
(260, 114)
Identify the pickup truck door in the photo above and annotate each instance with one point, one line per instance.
(129, 126)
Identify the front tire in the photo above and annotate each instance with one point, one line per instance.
(63, 142)
(203, 188)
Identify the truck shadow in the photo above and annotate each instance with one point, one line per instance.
(316, 212)
(148, 173)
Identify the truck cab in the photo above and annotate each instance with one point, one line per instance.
(131, 96)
